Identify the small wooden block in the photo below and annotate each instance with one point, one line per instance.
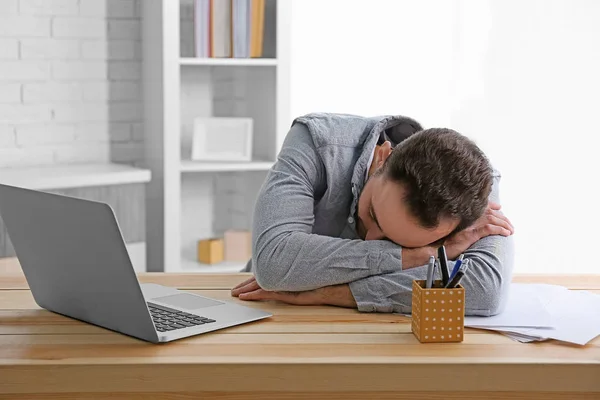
(238, 246)
(210, 251)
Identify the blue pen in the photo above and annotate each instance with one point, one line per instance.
(457, 265)
(459, 275)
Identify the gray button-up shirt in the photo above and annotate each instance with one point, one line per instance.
(304, 233)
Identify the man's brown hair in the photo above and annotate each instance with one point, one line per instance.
(445, 175)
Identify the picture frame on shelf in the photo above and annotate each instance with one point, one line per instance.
(222, 139)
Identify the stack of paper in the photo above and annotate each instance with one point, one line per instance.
(536, 312)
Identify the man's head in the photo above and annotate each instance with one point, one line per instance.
(434, 183)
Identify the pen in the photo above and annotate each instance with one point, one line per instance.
(457, 265)
(430, 272)
(459, 275)
(443, 265)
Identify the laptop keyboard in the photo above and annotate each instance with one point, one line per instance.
(167, 319)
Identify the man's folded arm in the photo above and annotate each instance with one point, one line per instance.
(486, 282)
(287, 256)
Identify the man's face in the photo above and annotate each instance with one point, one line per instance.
(383, 213)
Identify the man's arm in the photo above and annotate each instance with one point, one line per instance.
(486, 282)
(286, 255)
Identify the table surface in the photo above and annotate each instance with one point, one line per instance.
(322, 351)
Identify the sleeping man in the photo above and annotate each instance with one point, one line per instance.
(354, 207)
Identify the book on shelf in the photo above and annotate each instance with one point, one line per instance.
(229, 28)
(257, 18)
(221, 28)
(202, 28)
(241, 28)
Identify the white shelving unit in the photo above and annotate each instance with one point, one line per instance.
(195, 166)
(242, 62)
(189, 200)
(73, 176)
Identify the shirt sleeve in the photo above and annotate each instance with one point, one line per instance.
(486, 283)
(287, 256)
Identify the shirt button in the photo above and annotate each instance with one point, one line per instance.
(350, 220)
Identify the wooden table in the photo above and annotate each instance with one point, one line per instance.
(321, 352)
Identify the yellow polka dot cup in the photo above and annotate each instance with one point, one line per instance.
(438, 314)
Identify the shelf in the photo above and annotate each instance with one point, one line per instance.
(223, 166)
(200, 198)
(73, 176)
(221, 268)
(256, 62)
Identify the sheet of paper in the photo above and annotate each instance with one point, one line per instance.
(577, 317)
(574, 314)
(524, 308)
(521, 338)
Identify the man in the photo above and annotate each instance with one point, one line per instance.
(354, 207)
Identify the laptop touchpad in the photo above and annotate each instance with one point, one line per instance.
(187, 301)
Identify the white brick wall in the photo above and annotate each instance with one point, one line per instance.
(51, 92)
(137, 132)
(80, 112)
(24, 70)
(49, 7)
(41, 134)
(9, 48)
(7, 136)
(10, 93)
(24, 26)
(70, 82)
(22, 113)
(113, 49)
(94, 8)
(121, 8)
(9, 7)
(81, 153)
(110, 8)
(120, 132)
(235, 194)
(123, 69)
(124, 29)
(102, 91)
(26, 157)
(126, 152)
(92, 132)
(78, 27)
(44, 48)
(78, 70)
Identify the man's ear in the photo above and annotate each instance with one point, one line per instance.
(382, 153)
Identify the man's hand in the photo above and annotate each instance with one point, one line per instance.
(339, 295)
(492, 222)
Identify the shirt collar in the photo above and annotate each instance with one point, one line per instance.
(369, 165)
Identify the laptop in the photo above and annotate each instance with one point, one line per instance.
(76, 263)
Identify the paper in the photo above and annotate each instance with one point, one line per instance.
(567, 315)
(576, 315)
(523, 308)
(522, 338)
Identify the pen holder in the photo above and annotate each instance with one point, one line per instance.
(437, 313)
